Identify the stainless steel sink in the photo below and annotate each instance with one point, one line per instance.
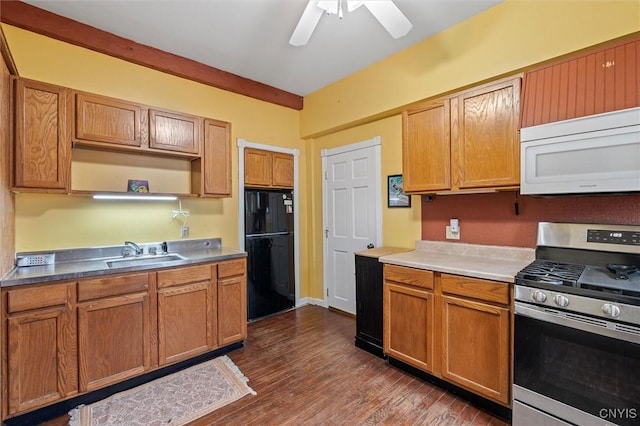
(141, 261)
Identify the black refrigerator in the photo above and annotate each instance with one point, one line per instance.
(269, 246)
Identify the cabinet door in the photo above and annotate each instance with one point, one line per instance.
(426, 141)
(257, 167)
(216, 159)
(475, 347)
(41, 347)
(232, 301)
(171, 131)
(42, 136)
(114, 340)
(186, 312)
(106, 120)
(282, 175)
(408, 325)
(485, 142)
(184, 322)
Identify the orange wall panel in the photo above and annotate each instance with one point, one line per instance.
(490, 218)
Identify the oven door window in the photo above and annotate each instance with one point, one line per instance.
(593, 373)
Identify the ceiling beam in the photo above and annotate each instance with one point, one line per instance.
(49, 24)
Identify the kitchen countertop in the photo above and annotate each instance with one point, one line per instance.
(381, 251)
(71, 264)
(497, 263)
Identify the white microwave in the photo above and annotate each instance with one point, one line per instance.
(594, 154)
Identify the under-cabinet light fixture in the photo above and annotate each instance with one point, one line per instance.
(135, 197)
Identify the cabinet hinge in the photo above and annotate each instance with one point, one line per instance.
(327, 292)
(326, 176)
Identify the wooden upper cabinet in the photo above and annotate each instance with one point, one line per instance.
(110, 123)
(601, 80)
(282, 172)
(173, 131)
(426, 140)
(106, 120)
(211, 174)
(51, 122)
(42, 156)
(485, 145)
(267, 169)
(257, 167)
(466, 141)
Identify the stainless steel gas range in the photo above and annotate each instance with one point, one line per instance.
(577, 328)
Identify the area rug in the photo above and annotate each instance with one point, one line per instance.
(176, 399)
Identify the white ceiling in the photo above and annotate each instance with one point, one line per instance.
(250, 38)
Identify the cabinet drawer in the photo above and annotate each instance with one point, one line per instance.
(191, 274)
(411, 276)
(232, 268)
(25, 299)
(489, 291)
(112, 286)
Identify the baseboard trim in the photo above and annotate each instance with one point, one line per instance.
(310, 301)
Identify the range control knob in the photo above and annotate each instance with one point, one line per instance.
(561, 300)
(539, 296)
(611, 310)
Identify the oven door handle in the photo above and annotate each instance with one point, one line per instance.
(626, 332)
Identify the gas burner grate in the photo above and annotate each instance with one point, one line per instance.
(552, 272)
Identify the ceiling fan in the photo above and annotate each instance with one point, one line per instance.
(385, 11)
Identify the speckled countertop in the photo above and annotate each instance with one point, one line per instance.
(71, 264)
(497, 263)
(381, 251)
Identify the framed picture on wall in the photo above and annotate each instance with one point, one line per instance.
(137, 185)
(395, 195)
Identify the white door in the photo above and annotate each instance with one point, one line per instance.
(352, 216)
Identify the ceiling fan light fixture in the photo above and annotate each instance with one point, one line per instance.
(385, 11)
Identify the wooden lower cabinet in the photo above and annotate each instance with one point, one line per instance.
(186, 313)
(460, 331)
(40, 345)
(113, 340)
(65, 339)
(408, 325)
(475, 347)
(232, 301)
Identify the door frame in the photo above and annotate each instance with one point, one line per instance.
(242, 144)
(376, 143)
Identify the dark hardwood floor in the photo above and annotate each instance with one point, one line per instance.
(306, 371)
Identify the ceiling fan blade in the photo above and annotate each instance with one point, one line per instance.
(392, 18)
(307, 23)
(354, 4)
(331, 6)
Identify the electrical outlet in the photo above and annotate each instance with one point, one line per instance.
(184, 232)
(450, 235)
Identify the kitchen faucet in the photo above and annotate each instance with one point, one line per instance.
(138, 250)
